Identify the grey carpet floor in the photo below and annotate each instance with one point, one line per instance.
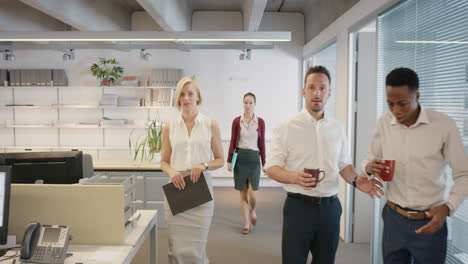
(263, 245)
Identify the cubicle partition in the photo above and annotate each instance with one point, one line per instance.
(94, 213)
(95, 216)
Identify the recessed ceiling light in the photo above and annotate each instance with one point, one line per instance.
(146, 36)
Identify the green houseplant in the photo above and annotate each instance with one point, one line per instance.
(109, 71)
(148, 145)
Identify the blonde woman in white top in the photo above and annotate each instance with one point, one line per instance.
(191, 142)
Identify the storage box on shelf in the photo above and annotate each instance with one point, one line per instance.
(148, 189)
(128, 183)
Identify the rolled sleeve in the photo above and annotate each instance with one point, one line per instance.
(278, 150)
(345, 158)
(455, 155)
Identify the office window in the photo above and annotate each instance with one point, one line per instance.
(431, 37)
(327, 57)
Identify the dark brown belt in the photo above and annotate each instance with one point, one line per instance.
(413, 215)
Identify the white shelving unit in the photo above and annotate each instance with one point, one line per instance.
(17, 102)
(48, 118)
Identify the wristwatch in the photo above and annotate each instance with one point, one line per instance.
(354, 181)
(205, 164)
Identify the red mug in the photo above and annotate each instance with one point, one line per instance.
(315, 174)
(391, 167)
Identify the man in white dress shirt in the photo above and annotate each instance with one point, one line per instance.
(311, 140)
(422, 142)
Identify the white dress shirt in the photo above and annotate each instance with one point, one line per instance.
(421, 153)
(304, 142)
(248, 134)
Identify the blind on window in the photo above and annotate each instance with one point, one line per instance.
(431, 37)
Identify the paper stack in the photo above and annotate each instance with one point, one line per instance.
(129, 101)
(109, 100)
(113, 122)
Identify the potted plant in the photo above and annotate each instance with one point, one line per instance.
(109, 71)
(148, 145)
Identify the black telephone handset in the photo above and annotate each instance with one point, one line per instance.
(47, 244)
(30, 240)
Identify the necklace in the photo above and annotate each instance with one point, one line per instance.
(247, 119)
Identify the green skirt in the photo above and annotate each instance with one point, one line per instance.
(247, 169)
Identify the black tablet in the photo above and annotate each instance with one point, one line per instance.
(193, 195)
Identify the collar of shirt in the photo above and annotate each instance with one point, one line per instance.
(422, 119)
(308, 116)
(197, 120)
(254, 119)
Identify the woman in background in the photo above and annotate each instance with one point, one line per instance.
(191, 142)
(248, 140)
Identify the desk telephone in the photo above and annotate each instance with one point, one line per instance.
(45, 244)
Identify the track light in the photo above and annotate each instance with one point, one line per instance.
(8, 55)
(246, 54)
(68, 55)
(145, 55)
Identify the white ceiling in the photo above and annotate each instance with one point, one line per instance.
(229, 5)
(168, 15)
(115, 15)
(236, 5)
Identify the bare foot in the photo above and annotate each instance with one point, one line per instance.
(253, 218)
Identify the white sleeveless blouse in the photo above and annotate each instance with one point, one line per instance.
(190, 150)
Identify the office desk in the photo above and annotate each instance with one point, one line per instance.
(98, 254)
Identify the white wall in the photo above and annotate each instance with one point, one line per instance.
(366, 78)
(273, 75)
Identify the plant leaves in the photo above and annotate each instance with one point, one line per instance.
(151, 143)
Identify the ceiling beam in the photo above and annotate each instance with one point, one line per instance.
(171, 15)
(252, 13)
(85, 15)
(16, 16)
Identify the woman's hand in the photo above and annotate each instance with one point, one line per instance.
(177, 179)
(196, 172)
(229, 166)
